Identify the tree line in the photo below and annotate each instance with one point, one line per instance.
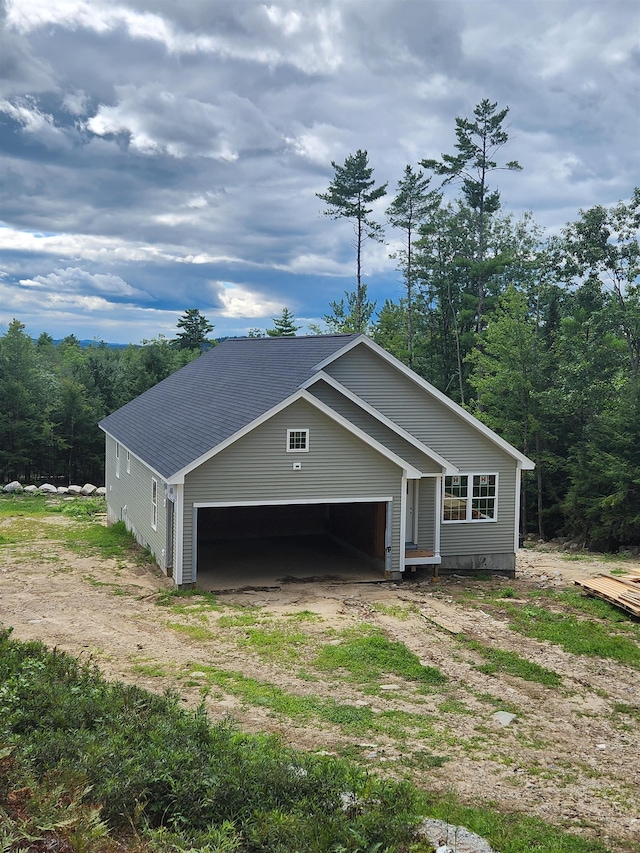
(538, 337)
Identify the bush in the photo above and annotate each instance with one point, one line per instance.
(155, 767)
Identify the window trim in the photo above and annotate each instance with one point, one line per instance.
(154, 503)
(128, 461)
(117, 460)
(469, 475)
(298, 430)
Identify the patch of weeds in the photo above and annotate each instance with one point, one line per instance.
(397, 611)
(422, 759)
(275, 642)
(578, 636)
(152, 670)
(617, 572)
(239, 620)
(497, 702)
(113, 588)
(628, 710)
(91, 537)
(367, 654)
(8, 540)
(507, 592)
(351, 718)
(453, 706)
(591, 605)
(501, 660)
(530, 742)
(304, 616)
(82, 507)
(305, 675)
(194, 632)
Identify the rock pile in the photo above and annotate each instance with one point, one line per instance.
(48, 489)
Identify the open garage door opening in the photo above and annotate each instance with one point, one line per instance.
(259, 544)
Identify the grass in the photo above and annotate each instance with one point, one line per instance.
(507, 832)
(575, 635)
(303, 709)
(368, 656)
(278, 642)
(511, 663)
(196, 633)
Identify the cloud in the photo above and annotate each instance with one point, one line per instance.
(158, 121)
(239, 302)
(77, 280)
(176, 149)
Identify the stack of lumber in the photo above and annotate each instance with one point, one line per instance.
(623, 592)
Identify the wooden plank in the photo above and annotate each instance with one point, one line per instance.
(616, 590)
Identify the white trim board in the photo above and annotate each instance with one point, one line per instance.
(289, 502)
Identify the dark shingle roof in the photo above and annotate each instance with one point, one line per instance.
(208, 400)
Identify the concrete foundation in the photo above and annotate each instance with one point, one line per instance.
(504, 564)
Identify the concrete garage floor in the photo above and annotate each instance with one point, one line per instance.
(231, 564)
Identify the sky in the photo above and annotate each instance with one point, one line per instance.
(158, 155)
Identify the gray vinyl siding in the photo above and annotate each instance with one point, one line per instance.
(258, 468)
(426, 510)
(129, 500)
(377, 430)
(379, 383)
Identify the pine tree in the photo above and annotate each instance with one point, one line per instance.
(284, 325)
(478, 142)
(409, 209)
(195, 328)
(349, 193)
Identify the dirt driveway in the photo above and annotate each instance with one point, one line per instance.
(570, 755)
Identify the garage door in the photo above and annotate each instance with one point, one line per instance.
(359, 526)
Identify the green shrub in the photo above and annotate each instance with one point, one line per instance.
(151, 764)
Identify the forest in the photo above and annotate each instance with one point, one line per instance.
(537, 336)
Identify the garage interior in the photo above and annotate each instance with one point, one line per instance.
(258, 545)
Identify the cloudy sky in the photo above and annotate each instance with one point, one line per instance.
(159, 155)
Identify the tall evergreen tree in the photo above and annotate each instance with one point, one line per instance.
(349, 196)
(194, 330)
(478, 141)
(411, 206)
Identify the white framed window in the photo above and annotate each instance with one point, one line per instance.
(128, 461)
(154, 503)
(470, 497)
(118, 459)
(297, 441)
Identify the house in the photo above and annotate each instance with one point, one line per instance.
(296, 435)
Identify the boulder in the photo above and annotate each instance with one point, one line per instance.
(31, 490)
(101, 491)
(62, 490)
(75, 490)
(88, 489)
(48, 489)
(13, 487)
